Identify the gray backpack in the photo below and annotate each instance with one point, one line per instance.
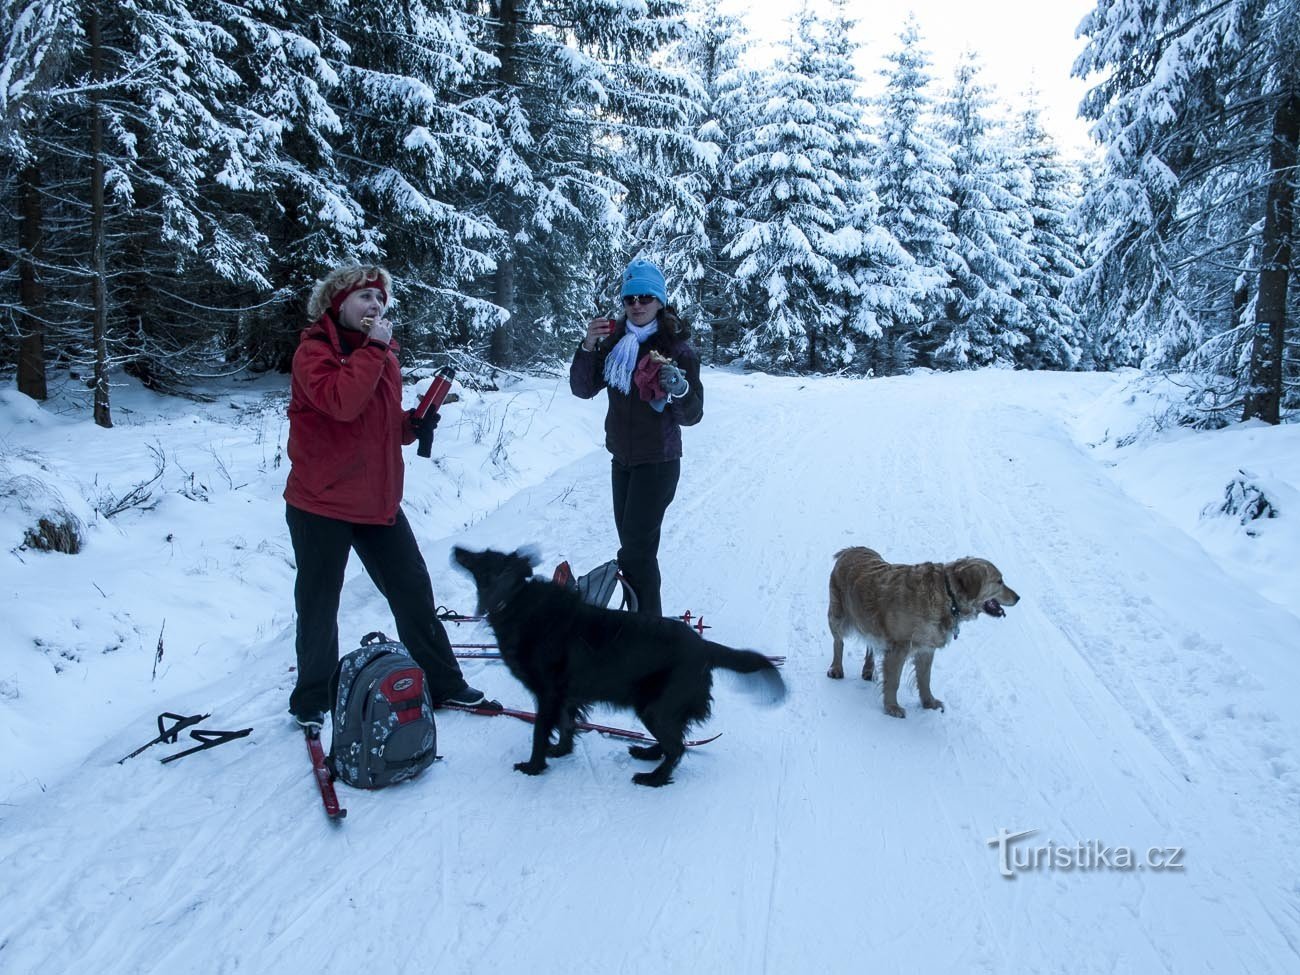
(597, 586)
(384, 730)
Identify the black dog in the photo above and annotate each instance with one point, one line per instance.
(571, 655)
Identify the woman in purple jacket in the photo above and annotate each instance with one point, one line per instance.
(652, 377)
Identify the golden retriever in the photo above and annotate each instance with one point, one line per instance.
(907, 611)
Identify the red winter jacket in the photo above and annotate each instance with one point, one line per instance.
(346, 428)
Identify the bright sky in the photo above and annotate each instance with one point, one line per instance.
(1022, 44)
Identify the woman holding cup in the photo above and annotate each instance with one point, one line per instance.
(344, 490)
(652, 378)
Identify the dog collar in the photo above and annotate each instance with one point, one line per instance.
(952, 606)
(505, 600)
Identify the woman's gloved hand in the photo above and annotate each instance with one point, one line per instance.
(423, 428)
(673, 381)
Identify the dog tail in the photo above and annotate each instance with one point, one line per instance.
(763, 680)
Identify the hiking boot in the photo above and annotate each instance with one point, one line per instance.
(310, 720)
(467, 697)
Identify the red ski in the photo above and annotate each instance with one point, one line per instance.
(323, 777)
(491, 709)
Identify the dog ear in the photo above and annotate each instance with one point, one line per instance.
(974, 576)
(460, 556)
(970, 575)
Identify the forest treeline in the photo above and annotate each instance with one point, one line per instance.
(174, 175)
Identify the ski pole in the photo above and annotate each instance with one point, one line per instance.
(207, 739)
(167, 735)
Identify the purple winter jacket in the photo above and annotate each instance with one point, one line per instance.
(635, 433)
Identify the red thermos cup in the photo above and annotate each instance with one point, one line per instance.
(431, 400)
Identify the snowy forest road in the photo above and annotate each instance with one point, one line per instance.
(1134, 700)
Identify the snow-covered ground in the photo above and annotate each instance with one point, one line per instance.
(1140, 696)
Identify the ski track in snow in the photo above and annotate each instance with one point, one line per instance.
(817, 835)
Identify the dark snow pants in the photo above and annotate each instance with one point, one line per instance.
(642, 494)
(392, 560)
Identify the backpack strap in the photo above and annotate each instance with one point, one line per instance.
(597, 586)
(630, 602)
(372, 638)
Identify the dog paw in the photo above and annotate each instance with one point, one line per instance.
(835, 673)
(894, 711)
(649, 753)
(868, 674)
(934, 704)
(530, 768)
(652, 779)
(560, 749)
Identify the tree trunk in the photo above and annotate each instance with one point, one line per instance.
(133, 312)
(98, 268)
(1264, 397)
(723, 322)
(31, 291)
(272, 337)
(502, 348)
(290, 324)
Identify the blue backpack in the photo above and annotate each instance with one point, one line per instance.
(384, 730)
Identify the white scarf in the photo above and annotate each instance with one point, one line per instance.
(621, 361)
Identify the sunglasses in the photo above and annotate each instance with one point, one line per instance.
(630, 300)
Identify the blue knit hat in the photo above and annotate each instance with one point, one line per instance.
(643, 278)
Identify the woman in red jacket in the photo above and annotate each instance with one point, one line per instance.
(344, 493)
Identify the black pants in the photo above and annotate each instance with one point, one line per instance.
(642, 494)
(392, 559)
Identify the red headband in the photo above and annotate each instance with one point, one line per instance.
(341, 296)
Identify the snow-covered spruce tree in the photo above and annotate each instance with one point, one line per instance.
(910, 174)
(543, 189)
(985, 323)
(652, 110)
(1129, 288)
(1222, 293)
(880, 267)
(415, 140)
(584, 117)
(294, 189)
(796, 183)
(125, 149)
(1054, 257)
(31, 67)
(666, 202)
(1087, 170)
(183, 264)
(688, 239)
(1199, 109)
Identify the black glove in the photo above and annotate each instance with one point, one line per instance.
(673, 381)
(424, 427)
